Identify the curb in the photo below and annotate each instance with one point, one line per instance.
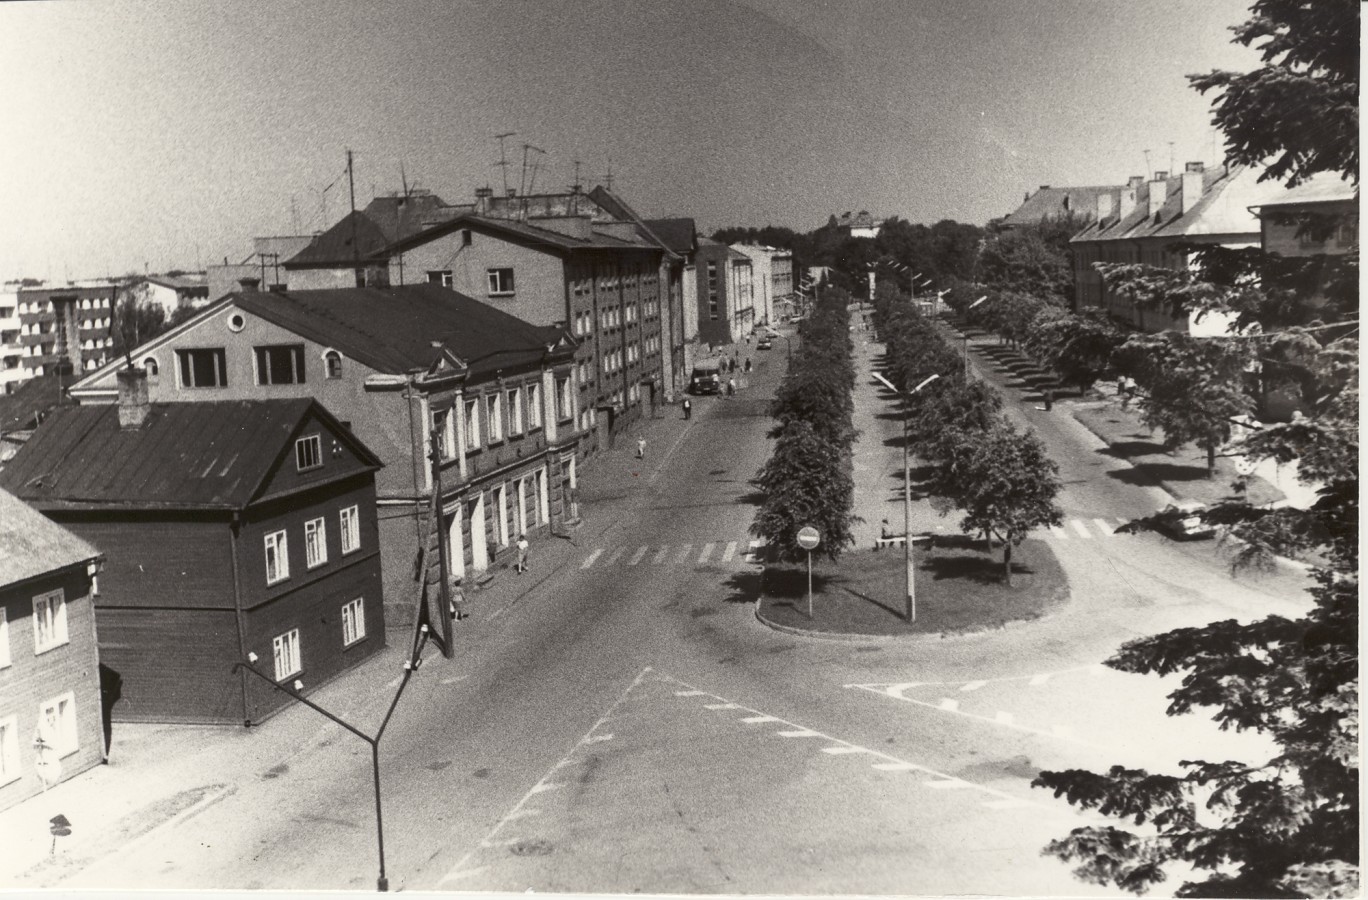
(843, 637)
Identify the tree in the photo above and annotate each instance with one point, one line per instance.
(1300, 109)
(1022, 260)
(807, 481)
(1192, 389)
(1002, 480)
(135, 319)
(1078, 347)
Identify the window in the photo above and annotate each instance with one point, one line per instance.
(315, 543)
(332, 364)
(9, 749)
(277, 557)
(466, 237)
(203, 368)
(440, 276)
(285, 648)
(472, 424)
(49, 621)
(564, 399)
(353, 621)
(495, 418)
(515, 420)
(308, 453)
(442, 429)
(534, 410)
(150, 367)
(57, 724)
(500, 281)
(5, 658)
(280, 365)
(350, 528)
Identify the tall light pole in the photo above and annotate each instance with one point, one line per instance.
(966, 336)
(907, 494)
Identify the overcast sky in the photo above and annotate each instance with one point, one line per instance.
(168, 134)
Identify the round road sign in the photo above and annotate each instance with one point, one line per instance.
(808, 538)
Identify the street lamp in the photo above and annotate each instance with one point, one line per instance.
(966, 335)
(907, 494)
(410, 666)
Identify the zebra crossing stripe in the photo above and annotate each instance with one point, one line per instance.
(707, 551)
(972, 686)
(591, 558)
(636, 557)
(617, 555)
(1080, 528)
(729, 552)
(1105, 527)
(683, 554)
(660, 555)
(1059, 532)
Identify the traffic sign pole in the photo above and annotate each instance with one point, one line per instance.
(808, 539)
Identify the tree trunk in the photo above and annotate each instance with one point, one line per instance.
(988, 540)
(1211, 461)
(1007, 561)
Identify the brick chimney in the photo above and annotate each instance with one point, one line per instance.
(1192, 184)
(1126, 204)
(482, 196)
(1135, 181)
(1158, 192)
(134, 404)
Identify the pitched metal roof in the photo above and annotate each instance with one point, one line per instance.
(31, 544)
(400, 216)
(680, 235)
(402, 329)
(618, 207)
(1059, 203)
(334, 247)
(1223, 208)
(527, 234)
(209, 455)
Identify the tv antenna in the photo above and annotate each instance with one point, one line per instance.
(503, 158)
(1149, 173)
(608, 179)
(1170, 143)
(522, 184)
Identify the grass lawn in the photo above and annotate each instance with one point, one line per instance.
(1182, 472)
(959, 589)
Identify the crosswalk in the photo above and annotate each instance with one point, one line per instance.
(724, 554)
(1084, 529)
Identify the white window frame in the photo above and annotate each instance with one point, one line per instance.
(9, 749)
(349, 524)
(277, 545)
(534, 410)
(315, 543)
(303, 443)
(515, 411)
(472, 424)
(6, 658)
(494, 410)
(496, 276)
(57, 724)
(49, 622)
(353, 621)
(285, 649)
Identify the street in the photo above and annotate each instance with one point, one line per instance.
(627, 725)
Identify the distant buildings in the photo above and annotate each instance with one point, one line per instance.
(50, 722)
(773, 276)
(1059, 203)
(262, 264)
(171, 292)
(859, 225)
(725, 293)
(44, 330)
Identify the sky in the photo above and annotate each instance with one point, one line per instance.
(146, 136)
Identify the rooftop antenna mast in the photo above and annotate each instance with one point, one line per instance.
(403, 179)
(536, 164)
(351, 189)
(576, 185)
(1149, 173)
(503, 158)
(1170, 143)
(608, 179)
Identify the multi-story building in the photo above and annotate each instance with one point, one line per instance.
(681, 237)
(725, 293)
(264, 263)
(1318, 217)
(1059, 203)
(394, 365)
(234, 531)
(45, 330)
(860, 225)
(50, 722)
(170, 292)
(772, 269)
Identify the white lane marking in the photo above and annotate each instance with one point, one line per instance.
(841, 751)
(973, 685)
(707, 551)
(754, 719)
(1038, 680)
(952, 784)
(547, 786)
(660, 555)
(1059, 532)
(1105, 527)
(1080, 528)
(720, 706)
(591, 558)
(520, 809)
(597, 739)
(729, 552)
(617, 555)
(683, 554)
(948, 705)
(690, 693)
(636, 557)
(798, 732)
(896, 766)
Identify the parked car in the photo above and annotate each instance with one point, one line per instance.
(1183, 521)
(706, 377)
(764, 343)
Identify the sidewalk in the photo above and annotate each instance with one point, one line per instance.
(160, 774)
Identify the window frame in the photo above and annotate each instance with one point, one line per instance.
(513, 396)
(289, 642)
(185, 367)
(499, 280)
(277, 543)
(349, 528)
(318, 530)
(263, 356)
(353, 615)
(332, 365)
(10, 766)
(535, 418)
(494, 416)
(300, 444)
(473, 432)
(67, 739)
(54, 624)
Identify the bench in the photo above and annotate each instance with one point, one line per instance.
(892, 540)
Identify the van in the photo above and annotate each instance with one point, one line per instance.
(706, 377)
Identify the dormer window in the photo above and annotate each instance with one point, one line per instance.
(332, 364)
(308, 453)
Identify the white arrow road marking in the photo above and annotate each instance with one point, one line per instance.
(547, 786)
(948, 705)
(720, 706)
(754, 719)
(840, 751)
(690, 693)
(798, 732)
(897, 767)
(591, 558)
(973, 685)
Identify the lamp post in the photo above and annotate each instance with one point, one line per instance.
(966, 335)
(907, 494)
(410, 666)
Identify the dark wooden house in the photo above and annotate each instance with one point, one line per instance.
(231, 529)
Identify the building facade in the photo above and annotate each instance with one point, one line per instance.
(50, 719)
(234, 531)
(772, 270)
(396, 364)
(44, 329)
(725, 293)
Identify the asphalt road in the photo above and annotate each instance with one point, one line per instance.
(627, 725)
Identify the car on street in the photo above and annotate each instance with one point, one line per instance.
(1183, 521)
(764, 343)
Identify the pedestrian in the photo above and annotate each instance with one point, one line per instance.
(688, 408)
(748, 365)
(522, 553)
(457, 598)
(641, 448)
(731, 387)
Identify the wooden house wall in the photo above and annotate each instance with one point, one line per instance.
(158, 559)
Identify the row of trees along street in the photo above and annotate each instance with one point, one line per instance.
(999, 477)
(808, 479)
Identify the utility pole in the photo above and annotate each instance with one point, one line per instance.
(351, 188)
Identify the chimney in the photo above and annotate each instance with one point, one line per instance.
(249, 285)
(512, 192)
(134, 404)
(1158, 192)
(1126, 204)
(1135, 181)
(1192, 184)
(1104, 206)
(482, 196)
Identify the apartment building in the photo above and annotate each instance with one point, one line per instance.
(45, 330)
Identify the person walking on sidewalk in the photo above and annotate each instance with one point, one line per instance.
(522, 553)
(641, 448)
(731, 387)
(457, 596)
